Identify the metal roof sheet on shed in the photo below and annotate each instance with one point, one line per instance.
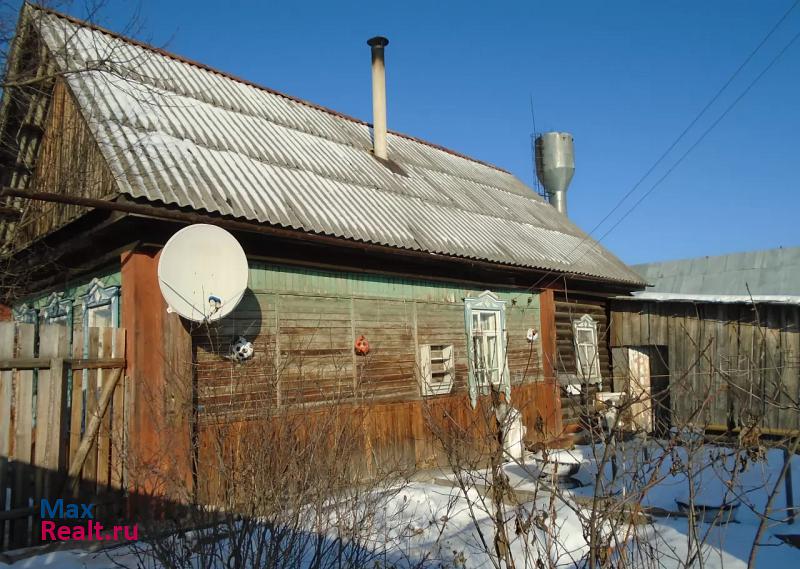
(180, 133)
(768, 273)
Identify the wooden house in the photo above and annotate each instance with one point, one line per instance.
(437, 259)
(718, 338)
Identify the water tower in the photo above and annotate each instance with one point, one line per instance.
(555, 165)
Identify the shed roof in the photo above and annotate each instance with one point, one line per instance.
(769, 274)
(177, 132)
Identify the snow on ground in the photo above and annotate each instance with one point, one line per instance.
(438, 524)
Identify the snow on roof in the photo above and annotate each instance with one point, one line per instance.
(771, 272)
(177, 132)
(713, 298)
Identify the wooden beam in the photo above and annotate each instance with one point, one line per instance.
(92, 429)
(10, 212)
(74, 363)
(190, 217)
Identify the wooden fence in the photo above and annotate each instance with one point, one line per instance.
(63, 423)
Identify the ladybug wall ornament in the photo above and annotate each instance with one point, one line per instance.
(362, 346)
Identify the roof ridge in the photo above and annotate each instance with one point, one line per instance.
(231, 76)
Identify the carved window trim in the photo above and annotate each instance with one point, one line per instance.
(25, 314)
(57, 309)
(99, 295)
(486, 303)
(587, 352)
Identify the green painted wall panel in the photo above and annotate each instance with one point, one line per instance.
(276, 278)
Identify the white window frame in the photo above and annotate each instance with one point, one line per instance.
(437, 369)
(587, 354)
(99, 296)
(486, 303)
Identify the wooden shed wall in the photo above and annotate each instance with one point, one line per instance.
(569, 307)
(744, 360)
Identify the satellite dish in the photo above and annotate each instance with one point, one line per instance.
(202, 272)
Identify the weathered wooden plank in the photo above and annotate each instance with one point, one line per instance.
(734, 372)
(747, 381)
(74, 363)
(90, 464)
(790, 379)
(24, 397)
(23, 435)
(7, 333)
(104, 434)
(77, 395)
(118, 425)
(774, 366)
(717, 383)
(52, 344)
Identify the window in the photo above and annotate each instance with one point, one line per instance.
(486, 347)
(485, 323)
(436, 369)
(26, 314)
(57, 310)
(586, 353)
(100, 309)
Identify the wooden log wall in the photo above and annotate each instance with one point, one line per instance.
(305, 363)
(304, 351)
(570, 306)
(742, 361)
(383, 436)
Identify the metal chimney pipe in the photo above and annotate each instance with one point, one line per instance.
(379, 144)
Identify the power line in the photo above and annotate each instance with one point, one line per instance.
(705, 133)
(680, 137)
(698, 116)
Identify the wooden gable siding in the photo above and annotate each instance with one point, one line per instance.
(742, 361)
(304, 341)
(69, 162)
(571, 307)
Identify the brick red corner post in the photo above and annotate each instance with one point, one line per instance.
(159, 367)
(547, 332)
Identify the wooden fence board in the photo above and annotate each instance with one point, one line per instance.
(23, 435)
(43, 414)
(76, 399)
(90, 466)
(7, 332)
(118, 432)
(104, 436)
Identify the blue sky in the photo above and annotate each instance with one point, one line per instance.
(624, 77)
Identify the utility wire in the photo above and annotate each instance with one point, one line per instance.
(705, 133)
(679, 138)
(698, 116)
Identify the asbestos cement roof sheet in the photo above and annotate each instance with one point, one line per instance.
(177, 132)
(768, 273)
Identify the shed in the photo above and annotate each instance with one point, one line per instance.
(725, 333)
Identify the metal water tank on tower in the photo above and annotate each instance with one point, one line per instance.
(555, 166)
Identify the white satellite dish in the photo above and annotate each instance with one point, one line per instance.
(202, 272)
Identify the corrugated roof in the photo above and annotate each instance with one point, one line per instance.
(773, 272)
(177, 132)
